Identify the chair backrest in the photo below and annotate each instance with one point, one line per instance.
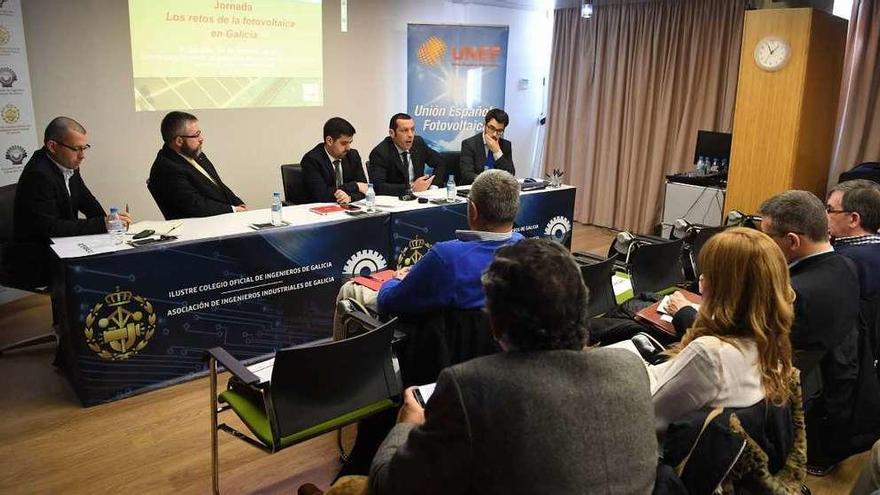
(313, 384)
(153, 188)
(450, 161)
(597, 277)
(440, 339)
(294, 188)
(7, 206)
(699, 241)
(654, 267)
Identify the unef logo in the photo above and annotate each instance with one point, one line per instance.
(432, 51)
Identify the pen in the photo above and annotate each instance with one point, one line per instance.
(126, 208)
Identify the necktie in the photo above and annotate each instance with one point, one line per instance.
(409, 168)
(337, 165)
(490, 160)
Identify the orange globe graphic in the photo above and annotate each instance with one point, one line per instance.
(432, 50)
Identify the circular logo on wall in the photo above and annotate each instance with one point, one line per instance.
(431, 52)
(16, 154)
(364, 263)
(557, 227)
(120, 326)
(413, 252)
(4, 35)
(7, 77)
(10, 113)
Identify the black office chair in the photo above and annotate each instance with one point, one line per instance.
(450, 160)
(314, 389)
(597, 275)
(154, 192)
(294, 188)
(11, 274)
(655, 267)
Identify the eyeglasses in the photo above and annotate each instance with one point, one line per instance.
(194, 136)
(830, 209)
(494, 130)
(75, 149)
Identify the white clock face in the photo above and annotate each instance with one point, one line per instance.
(771, 53)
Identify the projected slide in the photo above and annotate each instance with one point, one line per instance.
(219, 54)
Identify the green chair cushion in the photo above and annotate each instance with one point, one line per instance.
(254, 416)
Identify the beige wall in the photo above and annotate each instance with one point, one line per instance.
(80, 63)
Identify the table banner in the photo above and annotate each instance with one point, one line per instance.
(141, 319)
(543, 214)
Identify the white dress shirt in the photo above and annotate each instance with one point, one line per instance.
(708, 373)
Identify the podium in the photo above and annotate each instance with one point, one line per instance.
(786, 104)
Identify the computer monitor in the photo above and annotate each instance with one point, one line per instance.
(713, 145)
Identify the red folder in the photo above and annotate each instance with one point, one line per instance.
(374, 280)
(324, 210)
(651, 316)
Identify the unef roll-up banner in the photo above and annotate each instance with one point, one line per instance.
(17, 131)
(455, 74)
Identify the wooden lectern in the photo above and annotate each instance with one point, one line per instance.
(786, 104)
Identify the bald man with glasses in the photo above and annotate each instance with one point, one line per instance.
(50, 197)
(183, 181)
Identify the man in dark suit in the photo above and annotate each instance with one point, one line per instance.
(332, 171)
(514, 422)
(49, 196)
(487, 149)
(853, 209)
(402, 161)
(826, 309)
(183, 181)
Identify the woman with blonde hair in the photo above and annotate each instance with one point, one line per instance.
(738, 351)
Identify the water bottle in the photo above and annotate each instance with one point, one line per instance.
(701, 166)
(275, 213)
(450, 189)
(115, 226)
(371, 198)
(716, 166)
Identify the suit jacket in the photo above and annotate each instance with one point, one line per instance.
(388, 172)
(528, 422)
(473, 158)
(44, 209)
(319, 177)
(181, 191)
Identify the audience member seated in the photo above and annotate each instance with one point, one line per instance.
(332, 171)
(853, 209)
(488, 149)
(448, 276)
(542, 417)
(737, 353)
(183, 181)
(826, 316)
(400, 162)
(49, 196)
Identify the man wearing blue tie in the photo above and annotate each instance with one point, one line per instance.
(488, 149)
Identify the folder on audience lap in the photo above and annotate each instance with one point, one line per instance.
(656, 315)
(374, 280)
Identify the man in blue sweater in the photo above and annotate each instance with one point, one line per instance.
(853, 209)
(448, 276)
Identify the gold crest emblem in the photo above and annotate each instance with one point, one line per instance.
(125, 325)
(413, 252)
(10, 113)
(4, 35)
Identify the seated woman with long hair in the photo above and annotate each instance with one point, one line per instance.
(738, 351)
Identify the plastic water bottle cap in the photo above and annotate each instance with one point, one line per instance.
(114, 210)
